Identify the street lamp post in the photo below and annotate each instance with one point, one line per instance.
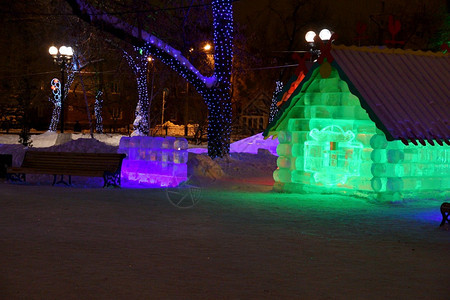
(310, 36)
(62, 57)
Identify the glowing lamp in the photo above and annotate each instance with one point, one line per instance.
(309, 36)
(69, 51)
(53, 50)
(207, 47)
(62, 50)
(325, 34)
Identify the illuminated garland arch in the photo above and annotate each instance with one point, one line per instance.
(55, 85)
(215, 89)
(56, 100)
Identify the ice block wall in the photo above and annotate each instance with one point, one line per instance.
(154, 161)
(411, 169)
(326, 142)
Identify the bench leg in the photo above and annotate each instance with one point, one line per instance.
(20, 177)
(62, 180)
(445, 211)
(445, 216)
(111, 179)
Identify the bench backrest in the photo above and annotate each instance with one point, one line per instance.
(73, 160)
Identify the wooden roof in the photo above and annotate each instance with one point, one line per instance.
(406, 93)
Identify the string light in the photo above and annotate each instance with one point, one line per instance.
(98, 105)
(56, 100)
(218, 98)
(138, 64)
(215, 89)
(55, 85)
(273, 104)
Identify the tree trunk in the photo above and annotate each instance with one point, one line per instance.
(219, 122)
(141, 126)
(98, 108)
(218, 97)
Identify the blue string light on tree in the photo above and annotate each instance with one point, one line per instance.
(98, 105)
(56, 99)
(138, 64)
(220, 110)
(215, 89)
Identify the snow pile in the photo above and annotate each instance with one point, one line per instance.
(9, 139)
(201, 165)
(236, 170)
(251, 144)
(108, 139)
(16, 150)
(48, 139)
(87, 145)
(248, 166)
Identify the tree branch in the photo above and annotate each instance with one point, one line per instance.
(148, 42)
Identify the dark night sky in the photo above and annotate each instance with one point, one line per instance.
(341, 16)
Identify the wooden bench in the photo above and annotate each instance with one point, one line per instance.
(106, 165)
(445, 211)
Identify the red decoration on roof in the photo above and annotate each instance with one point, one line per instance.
(299, 72)
(325, 49)
(301, 63)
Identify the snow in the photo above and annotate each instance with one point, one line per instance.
(241, 240)
(252, 144)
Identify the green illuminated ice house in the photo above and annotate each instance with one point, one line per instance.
(365, 121)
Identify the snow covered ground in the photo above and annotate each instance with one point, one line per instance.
(241, 240)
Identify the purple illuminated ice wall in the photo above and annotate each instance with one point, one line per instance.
(153, 161)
